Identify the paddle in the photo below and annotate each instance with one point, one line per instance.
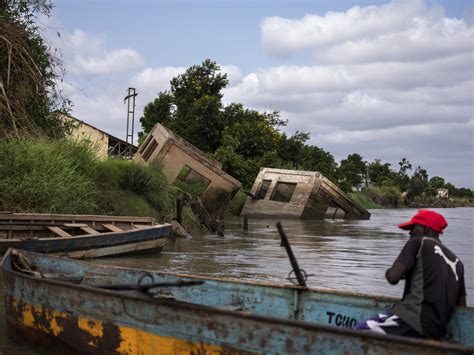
(146, 287)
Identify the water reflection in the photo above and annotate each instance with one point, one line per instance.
(342, 255)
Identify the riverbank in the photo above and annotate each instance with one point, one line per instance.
(371, 199)
(67, 177)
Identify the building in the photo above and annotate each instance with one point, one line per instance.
(107, 145)
(443, 193)
(185, 165)
(295, 194)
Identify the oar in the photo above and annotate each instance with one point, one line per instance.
(146, 287)
(294, 264)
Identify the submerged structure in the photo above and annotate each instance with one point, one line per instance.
(296, 194)
(190, 169)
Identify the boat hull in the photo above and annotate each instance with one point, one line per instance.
(86, 318)
(149, 239)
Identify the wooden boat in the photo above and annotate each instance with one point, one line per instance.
(81, 236)
(103, 309)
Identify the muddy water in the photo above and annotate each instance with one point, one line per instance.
(340, 255)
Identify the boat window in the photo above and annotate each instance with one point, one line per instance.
(262, 189)
(283, 191)
(191, 181)
(149, 149)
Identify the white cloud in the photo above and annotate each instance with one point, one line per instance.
(86, 54)
(156, 79)
(400, 30)
(234, 74)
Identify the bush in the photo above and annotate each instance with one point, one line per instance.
(235, 206)
(386, 196)
(364, 200)
(119, 180)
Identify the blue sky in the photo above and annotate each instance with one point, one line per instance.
(384, 79)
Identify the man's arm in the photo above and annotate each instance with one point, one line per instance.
(405, 261)
(396, 272)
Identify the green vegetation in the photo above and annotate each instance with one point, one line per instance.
(191, 181)
(364, 200)
(63, 176)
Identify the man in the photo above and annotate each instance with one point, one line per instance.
(434, 282)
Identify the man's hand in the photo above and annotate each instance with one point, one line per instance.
(396, 273)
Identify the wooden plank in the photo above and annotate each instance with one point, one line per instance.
(76, 225)
(89, 230)
(58, 231)
(112, 228)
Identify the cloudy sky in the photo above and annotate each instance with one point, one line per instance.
(386, 80)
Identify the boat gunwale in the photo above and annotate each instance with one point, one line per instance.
(85, 236)
(6, 217)
(417, 342)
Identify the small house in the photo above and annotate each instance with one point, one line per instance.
(295, 194)
(443, 193)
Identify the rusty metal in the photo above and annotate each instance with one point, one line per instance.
(130, 100)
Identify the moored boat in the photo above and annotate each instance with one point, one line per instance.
(81, 236)
(90, 307)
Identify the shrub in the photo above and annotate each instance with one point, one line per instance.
(135, 182)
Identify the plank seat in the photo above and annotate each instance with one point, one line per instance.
(89, 230)
(75, 225)
(112, 227)
(59, 231)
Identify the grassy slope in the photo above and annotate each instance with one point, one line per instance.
(65, 177)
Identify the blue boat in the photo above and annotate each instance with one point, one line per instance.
(93, 308)
(81, 236)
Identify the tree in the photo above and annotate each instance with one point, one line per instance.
(198, 100)
(193, 106)
(158, 111)
(290, 149)
(418, 183)
(378, 173)
(437, 182)
(29, 96)
(313, 158)
(403, 178)
(352, 170)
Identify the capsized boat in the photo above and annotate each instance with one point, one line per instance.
(81, 236)
(104, 309)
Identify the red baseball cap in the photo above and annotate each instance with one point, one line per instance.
(430, 219)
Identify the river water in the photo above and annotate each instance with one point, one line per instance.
(339, 255)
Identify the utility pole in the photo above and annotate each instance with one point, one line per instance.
(130, 100)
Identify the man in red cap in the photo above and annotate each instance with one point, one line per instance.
(434, 282)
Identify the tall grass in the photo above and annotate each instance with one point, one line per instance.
(38, 176)
(130, 188)
(66, 177)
